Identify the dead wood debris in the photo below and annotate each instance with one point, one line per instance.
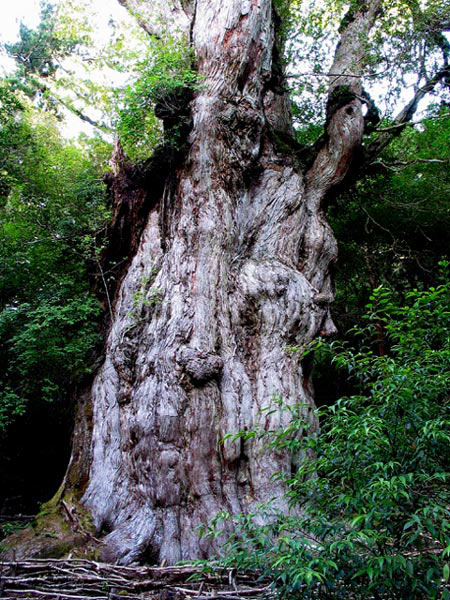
(79, 579)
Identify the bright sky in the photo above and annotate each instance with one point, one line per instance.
(13, 12)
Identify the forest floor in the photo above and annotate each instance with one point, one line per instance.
(80, 579)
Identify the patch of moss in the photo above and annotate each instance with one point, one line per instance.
(51, 505)
(284, 143)
(52, 519)
(58, 549)
(339, 97)
(53, 534)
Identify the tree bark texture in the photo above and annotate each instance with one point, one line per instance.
(232, 266)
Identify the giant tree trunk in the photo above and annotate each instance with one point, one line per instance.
(232, 266)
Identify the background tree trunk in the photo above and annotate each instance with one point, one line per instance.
(232, 266)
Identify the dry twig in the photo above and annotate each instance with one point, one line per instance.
(79, 579)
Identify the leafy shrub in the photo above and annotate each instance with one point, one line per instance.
(47, 345)
(53, 210)
(371, 498)
(165, 76)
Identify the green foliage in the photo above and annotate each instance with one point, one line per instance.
(165, 78)
(38, 54)
(12, 135)
(52, 216)
(38, 51)
(371, 497)
(46, 343)
(9, 527)
(391, 227)
(63, 65)
(52, 208)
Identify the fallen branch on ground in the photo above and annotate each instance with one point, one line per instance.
(80, 579)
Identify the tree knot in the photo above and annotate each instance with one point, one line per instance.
(200, 366)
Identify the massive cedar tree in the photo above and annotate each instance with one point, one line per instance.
(229, 263)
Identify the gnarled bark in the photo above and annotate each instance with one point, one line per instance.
(231, 267)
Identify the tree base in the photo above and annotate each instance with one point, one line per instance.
(63, 529)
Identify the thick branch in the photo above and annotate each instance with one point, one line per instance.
(344, 105)
(345, 121)
(352, 53)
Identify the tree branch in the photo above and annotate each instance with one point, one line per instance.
(345, 121)
(411, 123)
(97, 124)
(331, 74)
(159, 18)
(399, 165)
(141, 22)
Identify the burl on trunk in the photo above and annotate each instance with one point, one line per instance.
(230, 266)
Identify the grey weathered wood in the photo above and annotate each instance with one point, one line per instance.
(238, 257)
